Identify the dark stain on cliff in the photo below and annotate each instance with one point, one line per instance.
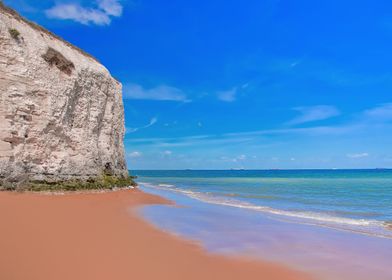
(55, 58)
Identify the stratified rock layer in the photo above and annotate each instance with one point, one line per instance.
(61, 112)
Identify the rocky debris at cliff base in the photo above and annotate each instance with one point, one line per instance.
(103, 182)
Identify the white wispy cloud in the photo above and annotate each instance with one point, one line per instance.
(243, 138)
(382, 113)
(314, 113)
(233, 159)
(198, 140)
(134, 129)
(240, 158)
(166, 153)
(294, 64)
(359, 155)
(111, 7)
(359, 125)
(135, 154)
(99, 15)
(228, 95)
(162, 92)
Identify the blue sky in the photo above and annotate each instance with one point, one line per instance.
(234, 84)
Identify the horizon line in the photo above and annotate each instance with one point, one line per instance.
(268, 169)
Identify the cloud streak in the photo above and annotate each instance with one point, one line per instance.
(151, 123)
(313, 113)
(260, 137)
(166, 153)
(135, 154)
(111, 7)
(231, 94)
(382, 113)
(162, 93)
(359, 155)
(228, 95)
(241, 137)
(99, 15)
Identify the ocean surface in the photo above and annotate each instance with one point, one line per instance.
(334, 223)
(358, 200)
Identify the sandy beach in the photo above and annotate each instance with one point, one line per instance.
(98, 236)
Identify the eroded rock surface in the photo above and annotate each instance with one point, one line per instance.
(61, 112)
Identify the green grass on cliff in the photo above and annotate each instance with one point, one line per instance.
(14, 33)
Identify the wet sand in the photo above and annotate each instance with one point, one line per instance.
(94, 236)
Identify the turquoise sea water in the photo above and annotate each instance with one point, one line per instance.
(334, 224)
(354, 200)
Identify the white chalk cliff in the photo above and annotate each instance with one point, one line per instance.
(61, 112)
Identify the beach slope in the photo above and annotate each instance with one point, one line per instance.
(99, 236)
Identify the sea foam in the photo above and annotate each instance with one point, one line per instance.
(362, 226)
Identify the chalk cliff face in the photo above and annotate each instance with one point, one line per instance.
(61, 112)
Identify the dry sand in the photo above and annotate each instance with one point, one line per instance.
(94, 236)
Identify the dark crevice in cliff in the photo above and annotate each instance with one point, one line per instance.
(98, 128)
(55, 58)
(73, 98)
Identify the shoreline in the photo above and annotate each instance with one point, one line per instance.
(344, 224)
(95, 236)
(323, 252)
